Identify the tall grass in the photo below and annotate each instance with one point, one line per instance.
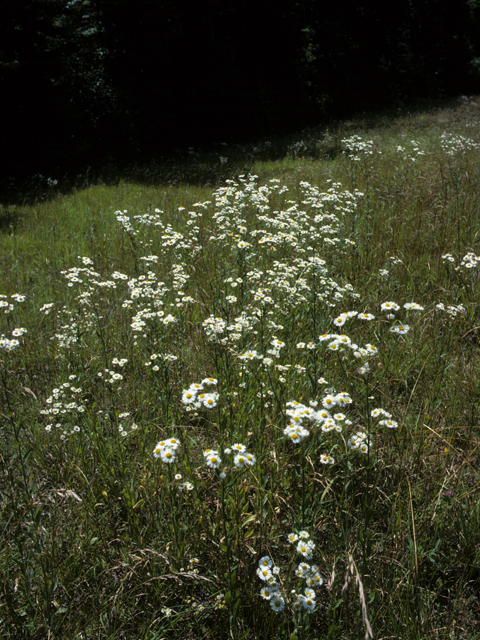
(246, 405)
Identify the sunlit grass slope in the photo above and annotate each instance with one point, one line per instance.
(245, 405)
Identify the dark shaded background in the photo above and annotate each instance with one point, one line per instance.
(83, 80)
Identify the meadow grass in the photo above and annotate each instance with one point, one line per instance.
(239, 395)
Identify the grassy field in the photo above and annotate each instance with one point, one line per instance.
(239, 391)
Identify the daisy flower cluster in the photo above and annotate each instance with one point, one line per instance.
(147, 293)
(110, 375)
(268, 573)
(213, 327)
(415, 151)
(82, 275)
(272, 590)
(219, 331)
(337, 342)
(8, 306)
(122, 427)
(328, 417)
(195, 397)
(241, 326)
(46, 308)
(326, 459)
(305, 544)
(295, 230)
(452, 309)
(469, 260)
(167, 450)
(76, 324)
(178, 242)
(297, 413)
(357, 149)
(386, 418)
(360, 442)
(453, 143)
(341, 319)
(185, 486)
(65, 399)
(241, 457)
(121, 363)
(250, 354)
(9, 344)
(413, 306)
(124, 221)
(167, 357)
(391, 307)
(65, 432)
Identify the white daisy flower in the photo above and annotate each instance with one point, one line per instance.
(317, 579)
(296, 433)
(303, 569)
(188, 397)
(265, 593)
(328, 402)
(389, 423)
(306, 547)
(210, 452)
(168, 455)
(389, 306)
(250, 459)
(413, 305)
(213, 460)
(264, 573)
(328, 425)
(265, 562)
(400, 329)
(334, 346)
(308, 604)
(209, 400)
(323, 414)
(277, 603)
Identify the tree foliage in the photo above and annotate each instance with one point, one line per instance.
(80, 75)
